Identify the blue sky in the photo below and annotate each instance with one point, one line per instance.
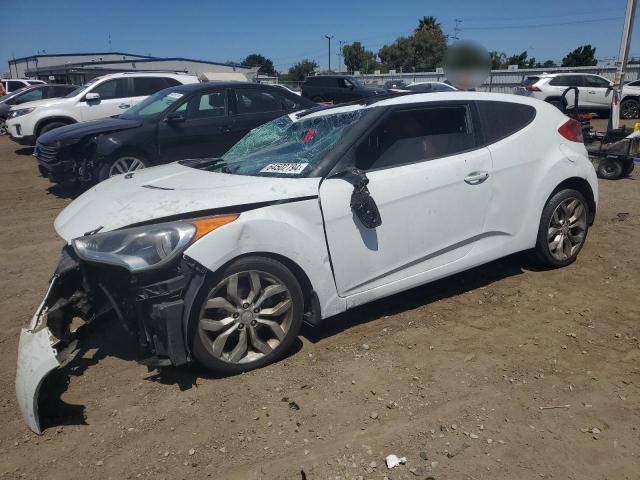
(288, 31)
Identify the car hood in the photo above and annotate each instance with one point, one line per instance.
(169, 190)
(47, 102)
(73, 133)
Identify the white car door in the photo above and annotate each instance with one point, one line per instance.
(598, 91)
(114, 99)
(432, 188)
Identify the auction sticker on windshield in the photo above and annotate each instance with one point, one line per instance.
(285, 168)
(175, 95)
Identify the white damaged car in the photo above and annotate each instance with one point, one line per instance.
(220, 261)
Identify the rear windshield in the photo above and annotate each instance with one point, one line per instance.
(287, 146)
(529, 81)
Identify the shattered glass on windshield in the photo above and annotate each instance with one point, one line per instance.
(286, 147)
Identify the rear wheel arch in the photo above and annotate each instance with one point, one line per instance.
(582, 186)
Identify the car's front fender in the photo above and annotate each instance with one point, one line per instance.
(292, 230)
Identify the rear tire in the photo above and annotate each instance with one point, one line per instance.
(630, 108)
(247, 316)
(628, 167)
(610, 169)
(51, 126)
(563, 228)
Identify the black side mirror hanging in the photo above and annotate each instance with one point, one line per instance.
(362, 204)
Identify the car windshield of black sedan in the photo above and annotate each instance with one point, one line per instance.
(287, 146)
(152, 106)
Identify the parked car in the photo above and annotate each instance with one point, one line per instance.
(394, 84)
(337, 89)
(221, 260)
(30, 94)
(630, 102)
(189, 121)
(594, 91)
(100, 98)
(424, 87)
(13, 84)
(289, 89)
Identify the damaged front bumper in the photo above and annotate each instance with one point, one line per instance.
(156, 308)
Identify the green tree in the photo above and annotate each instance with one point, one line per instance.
(256, 60)
(422, 51)
(356, 57)
(498, 60)
(549, 64)
(584, 56)
(301, 70)
(428, 23)
(520, 59)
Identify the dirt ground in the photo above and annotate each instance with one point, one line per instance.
(456, 376)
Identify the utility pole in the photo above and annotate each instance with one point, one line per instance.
(621, 64)
(329, 37)
(340, 55)
(110, 42)
(457, 29)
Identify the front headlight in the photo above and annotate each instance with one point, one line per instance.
(146, 247)
(20, 112)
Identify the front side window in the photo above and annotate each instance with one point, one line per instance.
(115, 88)
(417, 135)
(207, 105)
(596, 82)
(288, 146)
(256, 101)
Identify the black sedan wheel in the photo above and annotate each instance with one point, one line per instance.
(630, 108)
(122, 164)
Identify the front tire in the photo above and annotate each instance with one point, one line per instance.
(123, 163)
(51, 126)
(3, 126)
(247, 317)
(563, 228)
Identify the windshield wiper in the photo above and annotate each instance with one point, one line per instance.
(203, 163)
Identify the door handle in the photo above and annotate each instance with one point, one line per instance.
(591, 91)
(476, 178)
(124, 105)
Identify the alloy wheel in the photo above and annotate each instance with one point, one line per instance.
(245, 317)
(567, 228)
(125, 165)
(3, 126)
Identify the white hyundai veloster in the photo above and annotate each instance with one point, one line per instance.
(222, 260)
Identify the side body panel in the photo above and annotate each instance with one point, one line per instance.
(292, 230)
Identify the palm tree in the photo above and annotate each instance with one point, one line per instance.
(428, 23)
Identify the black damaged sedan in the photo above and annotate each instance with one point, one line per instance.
(188, 121)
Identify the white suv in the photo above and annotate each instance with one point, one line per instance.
(630, 104)
(13, 84)
(100, 98)
(594, 91)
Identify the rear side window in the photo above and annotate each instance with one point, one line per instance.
(501, 119)
(527, 82)
(256, 101)
(417, 135)
(14, 85)
(145, 86)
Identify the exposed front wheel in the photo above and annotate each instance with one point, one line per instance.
(3, 126)
(250, 315)
(563, 228)
(121, 164)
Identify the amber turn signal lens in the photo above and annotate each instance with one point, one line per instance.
(206, 225)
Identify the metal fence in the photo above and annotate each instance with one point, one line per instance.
(500, 81)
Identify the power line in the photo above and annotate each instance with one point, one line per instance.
(544, 25)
